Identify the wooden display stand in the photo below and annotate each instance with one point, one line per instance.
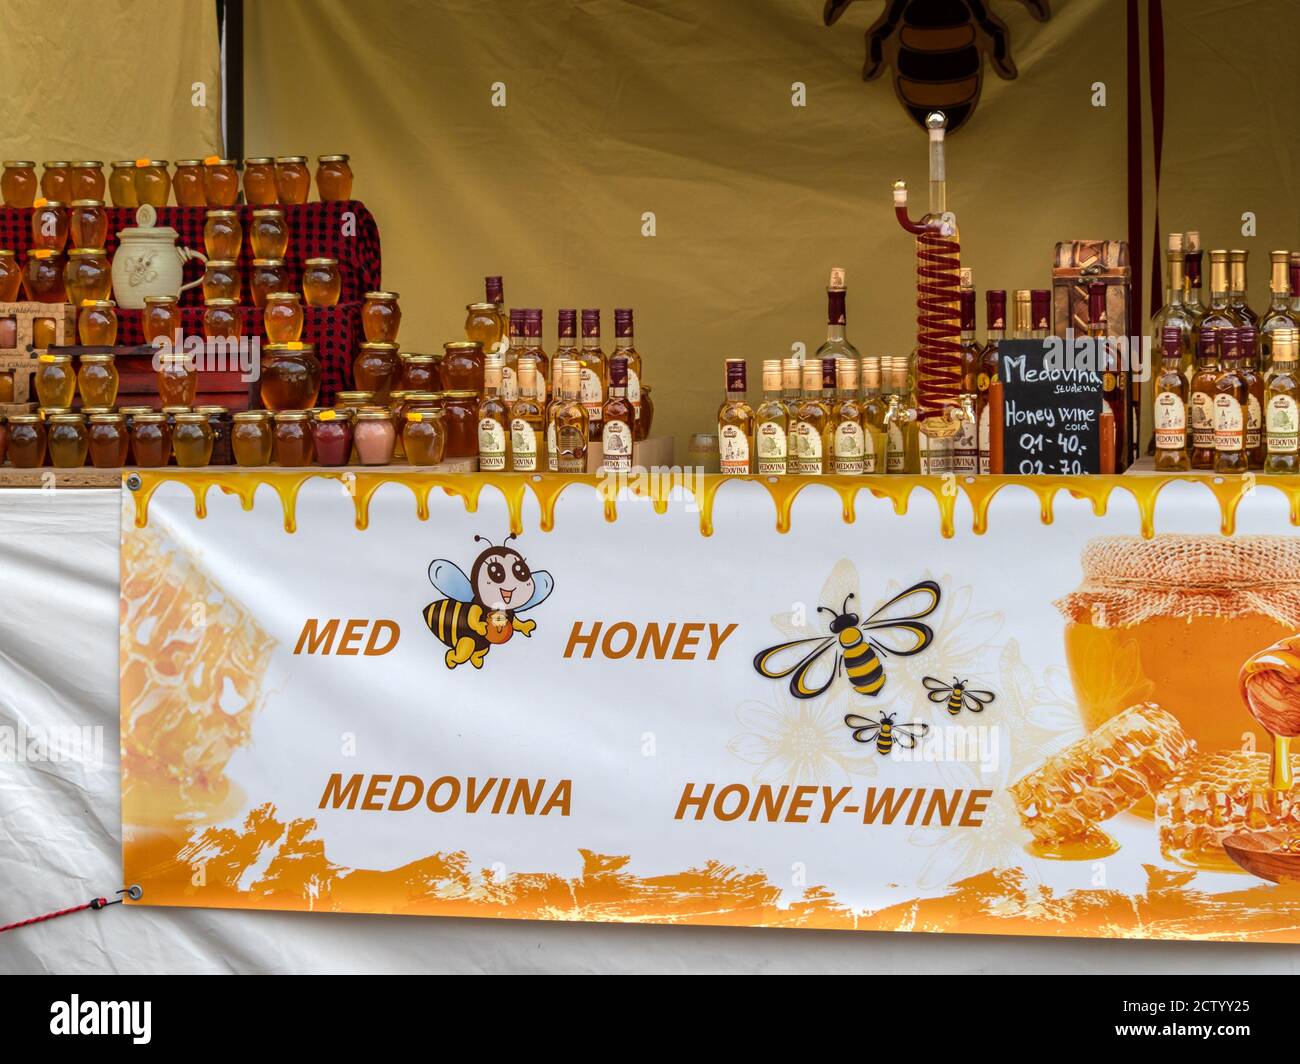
(20, 360)
(137, 381)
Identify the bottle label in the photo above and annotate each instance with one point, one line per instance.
(1229, 424)
(634, 390)
(936, 457)
(617, 442)
(523, 446)
(873, 454)
(895, 457)
(733, 449)
(552, 451)
(1254, 422)
(592, 395)
(1202, 421)
(1283, 425)
(570, 449)
(770, 445)
(848, 448)
(982, 438)
(807, 449)
(1170, 422)
(491, 445)
(509, 384)
(965, 452)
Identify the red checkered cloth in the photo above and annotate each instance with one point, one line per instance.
(343, 230)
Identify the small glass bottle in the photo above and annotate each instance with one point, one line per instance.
(569, 422)
(222, 279)
(848, 454)
(1170, 406)
(49, 225)
(527, 421)
(1256, 447)
(625, 345)
(493, 421)
(1237, 288)
(771, 424)
(593, 371)
(161, 318)
(533, 346)
(618, 418)
(1230, 401)
(267, 276)
(735, 422)
(814, 426)
(87, 276)
(1282, 405)
(1202, 399)
(995, 325)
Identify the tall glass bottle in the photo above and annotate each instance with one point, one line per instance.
(625, 345)
(792, 396)
(1280, 314)
(837, 344)
(901, 444)
(593, 370)
(494, 429)
(1247, 345)
(874, 436)
(570, 424)
(510, 357)
(1219, 313)
(1202, 389)
(1282, 405)
(735, 423)
(1193, 289)
(533, 346)
(849, 443)
(995, 324)
(617, 419)
(566, 343)
(1040, 307)
(1169, 409)
(1114, 383)
(1022, 315)
(558, 367)
(495, 293)
(1175, 314)
(1229, 408)
(970, 348)
(814, 425)
(1237, 291)
(771, 423)
(527, 421)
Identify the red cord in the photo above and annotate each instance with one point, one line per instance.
(134, 893)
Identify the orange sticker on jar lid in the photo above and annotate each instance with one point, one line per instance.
(327, 415)
(142, 162)
(40, 201)
(212, 160)
(414, 415)
(46, 358)
(294, 345)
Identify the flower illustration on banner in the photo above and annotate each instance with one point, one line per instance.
(799, 741)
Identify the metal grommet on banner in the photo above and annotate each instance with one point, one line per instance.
(133, 482)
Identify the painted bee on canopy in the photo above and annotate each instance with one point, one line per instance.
(857, 655)
(885, 732)
(480, 610)
(957, 694)
(936, 49)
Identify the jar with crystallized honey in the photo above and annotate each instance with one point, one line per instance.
(1171, 620)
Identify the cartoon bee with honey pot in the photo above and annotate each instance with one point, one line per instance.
(481, 610)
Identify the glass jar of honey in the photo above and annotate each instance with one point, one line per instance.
(87, 276)
(251, 436)
(6, 388)
(68, 440)
(153, 182)
(321, 282)
(396, 404)
(377, 369)
(333, 178)
(18, 183)
(220, 421)
(283, 317)
(460, 408)
(56, 181)
(292, 179)
(43, 276)
(259, 181)
(188, 183)
(88, 223)
(293, 447)
(222, 234)
(331, 437)
(269, 275)
(192, 440)
(483, 323)
(97, 324)
(161, 318)
(380, 316)
(45, 332)
(49, 225)
(221, 319)
(374, 437)
(290, 376)
(221, 182)
(421, 373)
(268, 233)
(424, 436)
(97, 379)
(56, 381)
(222, 279)
(26, 441)
(109, 441)
(178, 380)
(462, 366)
(151, 440)
(121, 183)
(11, 278)
(88, 180)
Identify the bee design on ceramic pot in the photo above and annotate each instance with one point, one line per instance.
(936, 49)
(855, 653)
(957, 694)
(481, 610)
(885, 733)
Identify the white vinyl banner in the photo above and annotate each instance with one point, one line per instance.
(399, 706)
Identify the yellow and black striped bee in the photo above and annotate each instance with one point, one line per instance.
(957, 694)
(857, 655)
(885, 732)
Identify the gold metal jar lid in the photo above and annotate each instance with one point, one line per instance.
(7, 253)
(373, 413)
(87, 164)
(332, 158)
(216, 162)
(225, 264)
(192, 417)
(291, 415)
(281, 160)
(294, 347)
(100, 356)
(120, 164)
(161, 300)
(65, 418)
(221, 301)
(461, 393)
(41, 204)
(417, 397)
(333, 413)
(359, 397)
(188, 162)
(462, 345)
(209, 410)
(222, 212)
(150, 417)
(282, 297)
(19, 164)
(25, 419)
(142, 163)
(420, 359)
(259, 160)
(379, 345)
(481, 306)
(50, 358)
(246, 416)
(88, 410)
(268, 212)
(88, 203)
(57, 165)
(132, 411)
(107, 418)
(173, 410)
(268, 262)
(382, 296)
(86, 253)
(320, 262)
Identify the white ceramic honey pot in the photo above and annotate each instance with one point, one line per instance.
(148, 262)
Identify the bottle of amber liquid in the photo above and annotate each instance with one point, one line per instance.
(970, 348)
(533, 346)
(625, 345)
(735, 423)
(1248, 344)
(1193, 287)
(814, 425)
(1113, 383)
(593, 370)
(510, 357)
(901, 432)
(1282, 405)
(1230, 399)
(1169, 411)
(995, 323)
(1202, 389)
(569, 423)
(1237, 287)
(1279, 314)
(771, 424)
(493, 421)
(617, 418)
(848, 457)
(874, 437)
(494, 292)
(527, 421)
(1219, 313)
(792, 396)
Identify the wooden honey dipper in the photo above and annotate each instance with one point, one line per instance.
(1270, 687)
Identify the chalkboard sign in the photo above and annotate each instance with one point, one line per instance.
(1051, 408)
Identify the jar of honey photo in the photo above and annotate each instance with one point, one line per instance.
(56, 181)
(221, 319)
(11, 279)
(26, 441)
(321, 282)
(333, 178)
(222, 279)
(421, 373)
(121, 183)
(56, 381)
(460, 408)
(331, 436)
(97, 324)
(68, 440)
(292, 179)
(18, 183)
(268, 233)
(377, 369)
(282, 318)
(374, 437)
(251, 437)
(259, 182)
(87, 276)
(109, 441)
(151, 441)
(153, 182)
(49, 225)
(88, 223)
(269, 275)
(43, 277)
(223, 234)
(188, 183)
(178, 380)
(221, 183)
(88, 181)
(293, 448)
(424, 436)
(192, 440)
(290, 377)
(462, 366)
(161, 318)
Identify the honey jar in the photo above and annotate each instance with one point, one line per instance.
(151, 441)
(109, 441)
(460, 409)
(331, 437)
(161, 318)
(88, 223)
(178, 380)
(292, 438)
(222, 234)
(68, 440)
(188, 183)
(6, 388)
(192, 439)
(290, 377)
(56, 181)
(374, 437)
(153, 183)
(18, 183)
(424, 436)
(45, 332)
(462, 366)
(269, 275)
(251, 435)
(222, 279)
(380, 316)
(11, 278)
(121, 183)
(221, 183)
(483, 323)
(87, 276)
(49, 225)
(4, 438)
(26, 441)
(292, 179)
(220, 421)
(268, 234)
(333, 178)
(259, 182)
(97, 324)
(421, 373)
(43, 277)
(283, 317)
(377, 369)
(56, 381)
(221, 319)
(88, 181)
(321, 282)
(354, 400)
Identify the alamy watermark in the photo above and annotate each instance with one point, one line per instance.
(1074, 356)
(212, 354)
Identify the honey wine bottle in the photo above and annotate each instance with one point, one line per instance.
(874, 436)
(771, 423)
(533, 347)
(1230, 400)
(848, 443)
(593, 371)
(792, 396)
(569, 423)
(617, 420)
(625, 345)
(1237, 295)
(1202, 389)
(1248, 343)
(494, 429)
(1169, 411)
(510, 357)
(527, 421)
(1280, 314)
(1282, 405)
(735, 423)
(995, 325)
(1113, 388)
(814, 424)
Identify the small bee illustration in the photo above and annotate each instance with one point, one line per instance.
(936, 49)
(480, 610)
(885, 732)
(957, 694)
(856, 655)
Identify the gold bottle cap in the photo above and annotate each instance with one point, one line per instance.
(426, 397)
(132, 411)
(89, 164)
(1218, 255)
(281, 160)
(50, 357)
(1175, 242)
(173, 410)
(65, 419)
(462, 345)
(42, 253)
(245, 416)
(25, 419)
(151, 416)
(320, 262)
(1237, 255)
(120, 164)
(51, 203)
(378, 345)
